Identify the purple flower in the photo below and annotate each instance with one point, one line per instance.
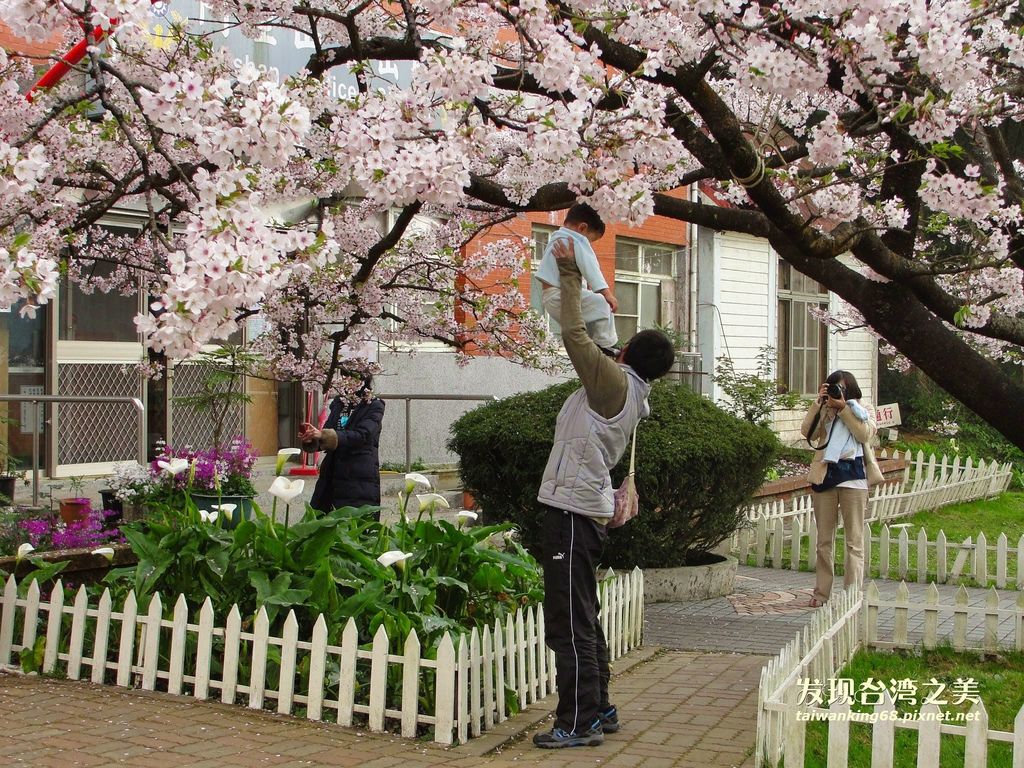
(50, 533)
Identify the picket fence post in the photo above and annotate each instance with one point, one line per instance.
(470, 671)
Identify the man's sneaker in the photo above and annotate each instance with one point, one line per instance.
(609, 720)
(557, 738)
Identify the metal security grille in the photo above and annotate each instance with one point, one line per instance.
(97, 432)
(189, 426)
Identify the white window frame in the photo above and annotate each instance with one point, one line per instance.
(665, 282)
(537, 252)
(785, 323)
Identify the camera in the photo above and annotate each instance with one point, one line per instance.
(836, 391)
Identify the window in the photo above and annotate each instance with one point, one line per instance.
(541, 235)
(802, 340)
(643, 285)
(98, 316)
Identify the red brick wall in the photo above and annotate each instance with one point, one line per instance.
(656, 229)
(14, 44)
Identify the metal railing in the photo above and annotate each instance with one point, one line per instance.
(36, 400)
(408, 413)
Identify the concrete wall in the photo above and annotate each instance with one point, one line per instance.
(436, 373)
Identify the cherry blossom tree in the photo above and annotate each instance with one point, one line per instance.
(876, 144)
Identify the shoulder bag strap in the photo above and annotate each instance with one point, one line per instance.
(632, 451)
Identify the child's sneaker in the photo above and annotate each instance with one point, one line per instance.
(557, 738)
(609, 719)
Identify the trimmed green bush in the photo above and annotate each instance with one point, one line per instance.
(696, 466)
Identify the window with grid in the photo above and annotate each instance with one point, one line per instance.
(643, 285)
(802, 340)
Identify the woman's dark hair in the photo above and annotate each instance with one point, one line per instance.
(581, 213)
(849, 382)
(650, 353)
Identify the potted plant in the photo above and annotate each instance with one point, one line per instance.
(76, 507)
(8, 478)
(131, 486)
(216, 477)
(222, 388)
(8, 466)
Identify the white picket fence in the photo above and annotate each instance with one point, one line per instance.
(925, 485)
(819, 653)
(469, 673)
(900, 556)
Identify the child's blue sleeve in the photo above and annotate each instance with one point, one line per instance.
(547, 270)
(586, 260)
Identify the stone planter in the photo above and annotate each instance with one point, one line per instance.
(691, 582)
(83, 566)
(791, 487)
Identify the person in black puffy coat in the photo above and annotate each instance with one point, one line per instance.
(350, 470)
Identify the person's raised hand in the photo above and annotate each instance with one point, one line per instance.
(308, 433)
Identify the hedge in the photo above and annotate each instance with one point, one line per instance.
(696, 466)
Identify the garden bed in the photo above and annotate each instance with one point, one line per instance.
(787, 488)
(83, 566)
(1000, 683)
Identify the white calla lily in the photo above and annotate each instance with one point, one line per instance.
(394, 557)
(282, 458)
(432, 500)
(414, 479)
(227, 509)
(107, 552)
(24, 550)
(466, 516)
(174, 466)
(209, 516)
(286, 489)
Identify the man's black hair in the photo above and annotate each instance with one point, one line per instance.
(650, 353)
(581, 213)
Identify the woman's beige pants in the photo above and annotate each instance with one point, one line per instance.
(852, 503)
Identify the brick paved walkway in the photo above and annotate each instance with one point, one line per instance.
(768, 607)
(679, 709)
(691, 706)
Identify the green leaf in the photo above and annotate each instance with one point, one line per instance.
(32, 658)
(323, 591)
(362, 601)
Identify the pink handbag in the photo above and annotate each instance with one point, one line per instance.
(627, 502)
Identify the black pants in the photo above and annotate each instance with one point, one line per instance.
(572, 547)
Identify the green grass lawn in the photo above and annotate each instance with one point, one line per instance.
(1000, 681)
(1003, 514)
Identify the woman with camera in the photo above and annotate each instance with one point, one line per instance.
(840, 428)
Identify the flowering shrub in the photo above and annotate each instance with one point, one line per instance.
(48, 532)
(132, 482)
(226, 472)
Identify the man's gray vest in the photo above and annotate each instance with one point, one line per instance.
(586, 447)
